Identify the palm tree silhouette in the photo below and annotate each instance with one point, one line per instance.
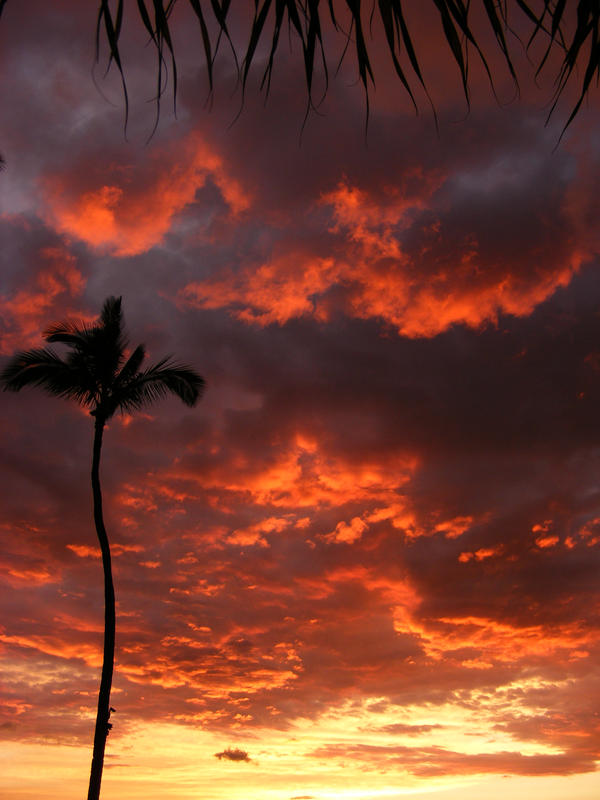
(97, 373)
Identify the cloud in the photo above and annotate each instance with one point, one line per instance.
(55, 281)
(418, 264)
(126, 209)
(233, 754)
(432, 761)
(408, 730)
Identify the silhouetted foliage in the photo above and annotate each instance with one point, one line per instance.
(97, 373)
(572, 26)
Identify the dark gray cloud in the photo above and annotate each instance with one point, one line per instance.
(233, 754)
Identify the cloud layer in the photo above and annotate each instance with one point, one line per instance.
(376, 541)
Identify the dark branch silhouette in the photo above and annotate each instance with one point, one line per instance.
(98, 375)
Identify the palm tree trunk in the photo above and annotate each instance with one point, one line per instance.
(102, 717)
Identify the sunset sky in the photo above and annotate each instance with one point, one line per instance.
(366, 566)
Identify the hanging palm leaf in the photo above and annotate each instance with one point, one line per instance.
(570, 27)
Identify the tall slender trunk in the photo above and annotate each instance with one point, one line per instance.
(102, 717)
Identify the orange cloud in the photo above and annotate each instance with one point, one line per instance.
(348, 532)
(453, 528)
(481, 554)
(215, 676)
(85, 551)
(26, 312)
(416, 291)
(546, 541)
(274, 292)
(302, 475)
(254, 534)
(493, 641)
(34, 577)
(590, 532)
(127, 212)
(61, 648)
(440, 761)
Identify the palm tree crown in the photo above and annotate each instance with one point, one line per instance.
(96, 371)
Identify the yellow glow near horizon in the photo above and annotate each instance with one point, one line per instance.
(178, 762)
(166, 761)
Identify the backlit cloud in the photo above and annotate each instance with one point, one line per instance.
(128, 209)
(57, 282)
(405, 261)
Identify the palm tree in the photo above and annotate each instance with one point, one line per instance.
(98, 375)
(571, 26)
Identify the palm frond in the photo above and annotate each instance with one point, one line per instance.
(158, 381)
(101, 345)
(587, 31)
(306, 21)
(131, 368)
(45, 368)
(68, 331)
(108, 340)
(111, 316)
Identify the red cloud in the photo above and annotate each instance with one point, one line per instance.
(25, 313)
(127, 211)
(388, 259)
